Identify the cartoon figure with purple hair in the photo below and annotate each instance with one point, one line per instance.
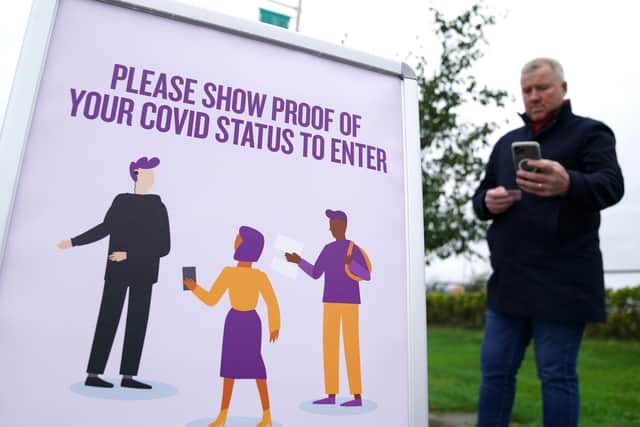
(138, 228)
(242, 337)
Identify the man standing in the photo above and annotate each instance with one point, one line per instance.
(343, 264)
(138, 228)
(547, 279)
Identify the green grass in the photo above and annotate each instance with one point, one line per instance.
(609, 374)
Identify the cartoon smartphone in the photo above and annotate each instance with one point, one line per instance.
(188, 273)
(523, 151)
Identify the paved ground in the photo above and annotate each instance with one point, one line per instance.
(452, 420)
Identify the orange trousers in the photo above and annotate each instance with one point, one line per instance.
(345, 315)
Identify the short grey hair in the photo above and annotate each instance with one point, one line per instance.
(537, 63)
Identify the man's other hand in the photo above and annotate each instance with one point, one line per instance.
(64, 244)
(497, 200)
(292, 257)
(118, 256)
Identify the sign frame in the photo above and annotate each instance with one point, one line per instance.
(23, 99)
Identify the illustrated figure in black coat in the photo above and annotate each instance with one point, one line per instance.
(138, 228)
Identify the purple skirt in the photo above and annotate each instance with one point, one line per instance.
(241, 344)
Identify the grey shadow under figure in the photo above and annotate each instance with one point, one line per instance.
(138, 228)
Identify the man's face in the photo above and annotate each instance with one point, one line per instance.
(542, 92)
(337, 227)
(146, 178)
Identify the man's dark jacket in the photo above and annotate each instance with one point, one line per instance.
(545, 251)
(139, 225)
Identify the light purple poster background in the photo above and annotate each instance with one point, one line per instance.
(74, 167)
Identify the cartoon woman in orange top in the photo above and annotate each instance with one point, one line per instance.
(242, 338)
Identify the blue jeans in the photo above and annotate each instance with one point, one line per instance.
(556, 349)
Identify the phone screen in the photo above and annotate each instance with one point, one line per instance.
(188, 273)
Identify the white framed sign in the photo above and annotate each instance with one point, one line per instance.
(207, 221)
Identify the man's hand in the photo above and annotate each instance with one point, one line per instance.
(551, 179)
(497, 200)
(292, 257)
(118, 256)
(64, 244)
(190, 283)
(274, 335)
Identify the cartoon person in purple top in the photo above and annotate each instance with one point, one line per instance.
(138, 228)
(344, 265)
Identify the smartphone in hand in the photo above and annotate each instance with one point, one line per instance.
(523, 151)
(188, 273)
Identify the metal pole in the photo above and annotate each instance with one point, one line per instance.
(282, 4)
(299, 10)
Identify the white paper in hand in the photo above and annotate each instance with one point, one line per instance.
(279, 263)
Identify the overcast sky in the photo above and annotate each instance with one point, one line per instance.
(594, 40)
